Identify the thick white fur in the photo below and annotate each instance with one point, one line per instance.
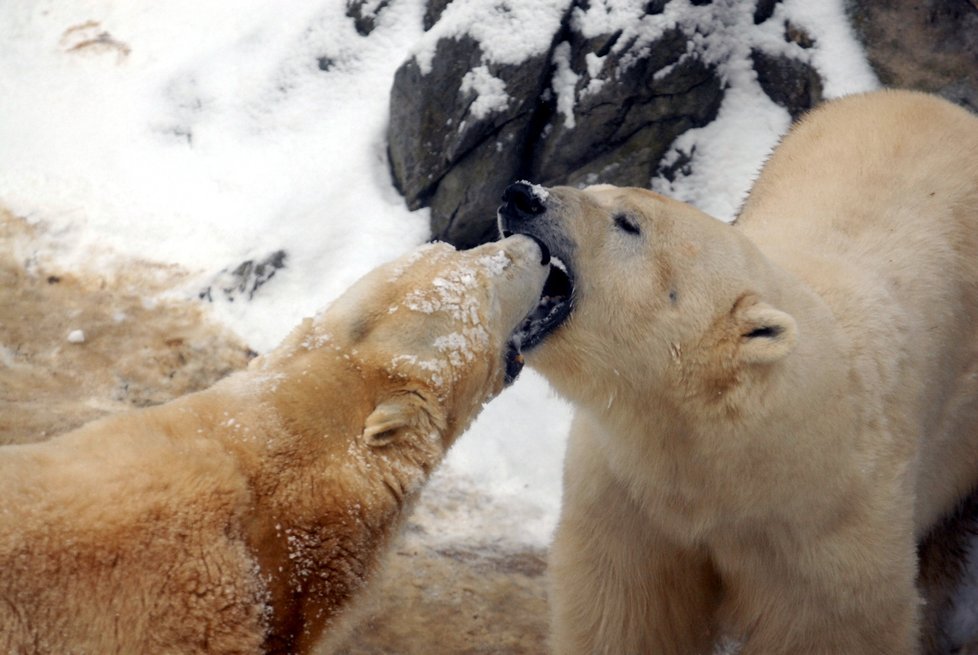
(771, 414)
(246, 518)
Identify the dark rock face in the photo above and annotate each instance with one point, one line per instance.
(930, 45)
(364, 17)
(594, 107)
(628, 111)
(449, 154)
(791, 83)
(244, 280)
(433, 12)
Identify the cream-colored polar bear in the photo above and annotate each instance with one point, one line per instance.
(247, 518)
(770, 415)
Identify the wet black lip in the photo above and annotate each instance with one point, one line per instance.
(514, 362)
(555, 306)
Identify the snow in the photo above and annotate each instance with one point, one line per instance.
(564, 81)
(206, 133)
(490, 92)
(507, 31)
(76, 336)
(539, 192)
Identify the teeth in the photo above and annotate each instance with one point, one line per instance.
(555, 261)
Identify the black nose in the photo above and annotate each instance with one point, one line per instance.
(522, 201)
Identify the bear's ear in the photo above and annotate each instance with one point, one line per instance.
(399, 416)
(766, 334)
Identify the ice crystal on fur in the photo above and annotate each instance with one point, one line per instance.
(495, 264)
(459, 346)
(448, 294)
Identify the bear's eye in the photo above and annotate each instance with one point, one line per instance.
(627, 224)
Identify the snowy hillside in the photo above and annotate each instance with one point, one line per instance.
(211, 133)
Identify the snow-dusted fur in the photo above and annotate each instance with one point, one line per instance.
(772, 414)
(245, 518)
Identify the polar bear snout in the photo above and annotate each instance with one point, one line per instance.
(530, 210)
(523, 201)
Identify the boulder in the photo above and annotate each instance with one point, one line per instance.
(630, 102)
(603, 103)
(792, 83)
(930, 45)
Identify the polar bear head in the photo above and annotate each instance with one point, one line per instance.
(428, 337)
(645, 293)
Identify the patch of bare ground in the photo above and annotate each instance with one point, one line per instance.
(437, 595)
(77, 345)
(442, 594)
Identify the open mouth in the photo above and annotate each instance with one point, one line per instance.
(556, 303)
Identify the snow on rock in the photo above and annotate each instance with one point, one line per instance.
(564, 84)
(720, 160)
(490, 92)
(507, 31)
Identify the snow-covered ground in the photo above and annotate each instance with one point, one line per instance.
(210, 132)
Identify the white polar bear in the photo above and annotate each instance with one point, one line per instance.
(770, 415)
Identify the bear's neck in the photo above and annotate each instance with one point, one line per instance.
(325, 506)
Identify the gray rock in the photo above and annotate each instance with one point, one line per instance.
(631, 100)
(244, 280)
(433, 128)
(363, 19)
(621, 130)
(764, 10)
(433, 11)
(463, 210)
(791, 83)
(425, 112)
(930, 45)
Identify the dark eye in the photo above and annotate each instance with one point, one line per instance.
(627, 224)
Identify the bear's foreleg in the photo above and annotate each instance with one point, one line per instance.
(850, 592)
(617, 588)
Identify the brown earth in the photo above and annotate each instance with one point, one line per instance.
(455, 594)
(137, 350)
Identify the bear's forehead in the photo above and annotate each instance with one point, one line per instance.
(625, 197)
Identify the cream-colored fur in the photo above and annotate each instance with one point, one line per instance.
(245, 518)
(770, 414)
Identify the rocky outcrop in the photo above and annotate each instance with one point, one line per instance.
(617, 107)
(930, 45)
(790, 82)
(453, 145)
(245, 279)
(602, 100)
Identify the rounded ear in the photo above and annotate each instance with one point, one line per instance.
(766, 334)
(397, 417)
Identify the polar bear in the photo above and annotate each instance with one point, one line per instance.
(771, 414)
(247, 518)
